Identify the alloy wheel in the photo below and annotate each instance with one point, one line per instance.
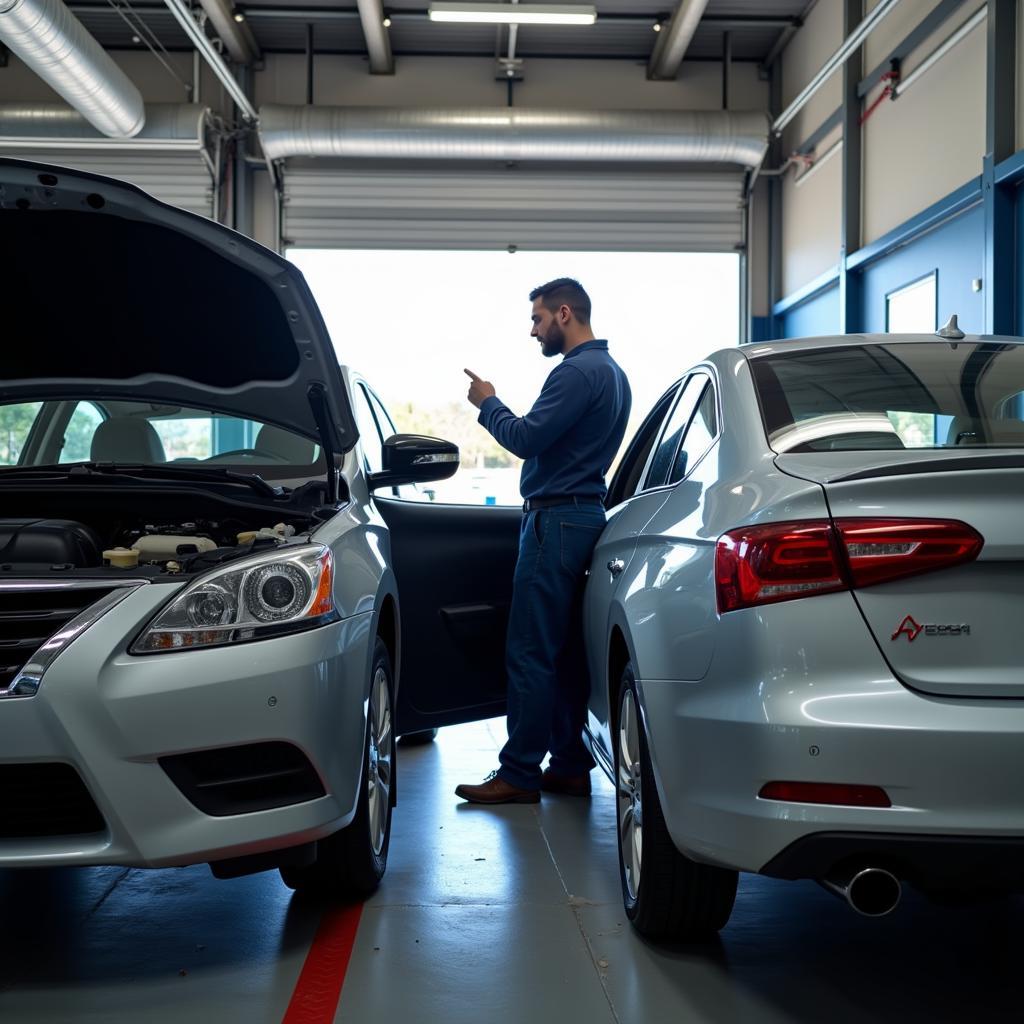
(381, 752)
(629, 796)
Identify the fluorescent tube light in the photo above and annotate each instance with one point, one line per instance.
(514, 14)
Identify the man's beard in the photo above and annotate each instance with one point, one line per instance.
(553, 342)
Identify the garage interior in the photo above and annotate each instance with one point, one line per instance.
(856, 154)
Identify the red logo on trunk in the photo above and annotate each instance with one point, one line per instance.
(910, 628)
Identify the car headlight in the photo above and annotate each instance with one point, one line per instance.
(281, 591)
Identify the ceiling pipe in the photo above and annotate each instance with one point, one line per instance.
(514, 134)
(674, 39)
(240, 42)
(836, 61)
(43, 126)
(54, 44)
(202, 42)
(378, 44)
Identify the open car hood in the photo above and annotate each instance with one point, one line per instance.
(111, 292)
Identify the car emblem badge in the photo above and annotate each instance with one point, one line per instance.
(912, 629)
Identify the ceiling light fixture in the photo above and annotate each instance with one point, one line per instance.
(514, 14)
(656, 26)
(239, 16)
(386, 23)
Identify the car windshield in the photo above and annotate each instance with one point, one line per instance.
(144, 433)
(919, 395)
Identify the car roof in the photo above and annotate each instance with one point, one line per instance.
(755, 349)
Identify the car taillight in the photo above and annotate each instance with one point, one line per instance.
(762, 564)
(758, 565)
(879, 550)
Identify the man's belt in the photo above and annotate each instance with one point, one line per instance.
(548, 500)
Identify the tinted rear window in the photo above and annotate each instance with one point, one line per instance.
(878, 397)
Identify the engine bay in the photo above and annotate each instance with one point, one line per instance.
(31, 544)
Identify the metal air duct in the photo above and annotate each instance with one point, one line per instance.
(675, 39)
(56, 46)
(514, 134)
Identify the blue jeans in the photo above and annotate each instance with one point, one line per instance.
(548, 683)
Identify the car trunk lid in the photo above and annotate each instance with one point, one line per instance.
(950, 632)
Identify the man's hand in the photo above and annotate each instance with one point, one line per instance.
(479, 389)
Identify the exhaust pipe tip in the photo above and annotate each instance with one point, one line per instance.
(873, 892)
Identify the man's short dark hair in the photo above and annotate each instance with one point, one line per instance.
(564, 291)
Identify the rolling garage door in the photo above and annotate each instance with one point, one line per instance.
(168, 159)
(329, 207)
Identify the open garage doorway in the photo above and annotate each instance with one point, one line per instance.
(410, 321)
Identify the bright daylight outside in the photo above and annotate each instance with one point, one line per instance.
(409, 322)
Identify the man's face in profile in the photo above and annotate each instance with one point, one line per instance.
(546, 329)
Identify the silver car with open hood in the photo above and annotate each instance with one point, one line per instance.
(200, 635)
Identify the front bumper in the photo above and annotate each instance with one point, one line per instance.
(799, 692)
(112, 716)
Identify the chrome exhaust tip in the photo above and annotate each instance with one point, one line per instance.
(873, 892)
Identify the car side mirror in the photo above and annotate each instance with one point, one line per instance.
(414, 459)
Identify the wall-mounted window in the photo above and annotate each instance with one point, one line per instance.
(912, 309)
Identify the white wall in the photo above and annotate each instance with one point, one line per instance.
(810, 212)
(454, 81)
(931, 140)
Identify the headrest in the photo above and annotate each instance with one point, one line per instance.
(284, 445)
(126, 439)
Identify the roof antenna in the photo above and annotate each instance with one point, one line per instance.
(950, 329)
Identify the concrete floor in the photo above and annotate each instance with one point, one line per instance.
(502, 915)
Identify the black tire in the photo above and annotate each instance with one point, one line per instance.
(418, 739)
(350, 863)
(676, 899)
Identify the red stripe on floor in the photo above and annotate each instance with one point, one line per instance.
(318, 989)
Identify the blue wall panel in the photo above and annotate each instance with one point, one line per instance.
(955, 250)
(818, 315)
(1019, 245)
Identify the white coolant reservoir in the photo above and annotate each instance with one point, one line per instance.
(160, 547)
(121, 558)
(279, 532)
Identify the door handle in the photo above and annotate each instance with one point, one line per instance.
(615, 566)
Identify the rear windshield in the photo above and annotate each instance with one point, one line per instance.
(905, 395)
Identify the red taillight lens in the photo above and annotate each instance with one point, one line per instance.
(885, 549)
(826, 793)
(762, 564)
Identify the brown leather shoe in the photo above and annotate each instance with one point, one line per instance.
(566, 785)
(495, 790)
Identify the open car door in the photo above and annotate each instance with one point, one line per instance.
(454, 565)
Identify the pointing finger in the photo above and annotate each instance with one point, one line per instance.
(471, 374)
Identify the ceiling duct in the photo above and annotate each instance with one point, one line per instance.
(514, 134)
(675, 38)
(54, 44)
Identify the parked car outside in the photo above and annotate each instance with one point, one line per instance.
(201, 629)
(802, 626)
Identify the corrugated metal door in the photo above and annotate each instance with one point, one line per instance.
(179, 178)
(691, 211)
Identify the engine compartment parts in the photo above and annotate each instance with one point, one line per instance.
(162, 547)
(49, 542)
(121, 558)
(282, 531)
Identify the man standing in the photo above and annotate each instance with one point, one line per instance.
(568, 440)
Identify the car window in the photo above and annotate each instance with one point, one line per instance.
(668, 444)
(627, 477)
(78, 434)
(15, 423)
(369, 433)
(699, 436)
(897, 396)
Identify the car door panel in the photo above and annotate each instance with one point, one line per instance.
(454, 565)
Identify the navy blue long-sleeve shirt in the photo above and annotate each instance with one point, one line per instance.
(574, 429)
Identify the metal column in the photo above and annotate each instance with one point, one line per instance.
(1000, 143)
(850, 311)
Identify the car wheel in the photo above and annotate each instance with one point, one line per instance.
(350, 864)
(665, 894)
(418, 739)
